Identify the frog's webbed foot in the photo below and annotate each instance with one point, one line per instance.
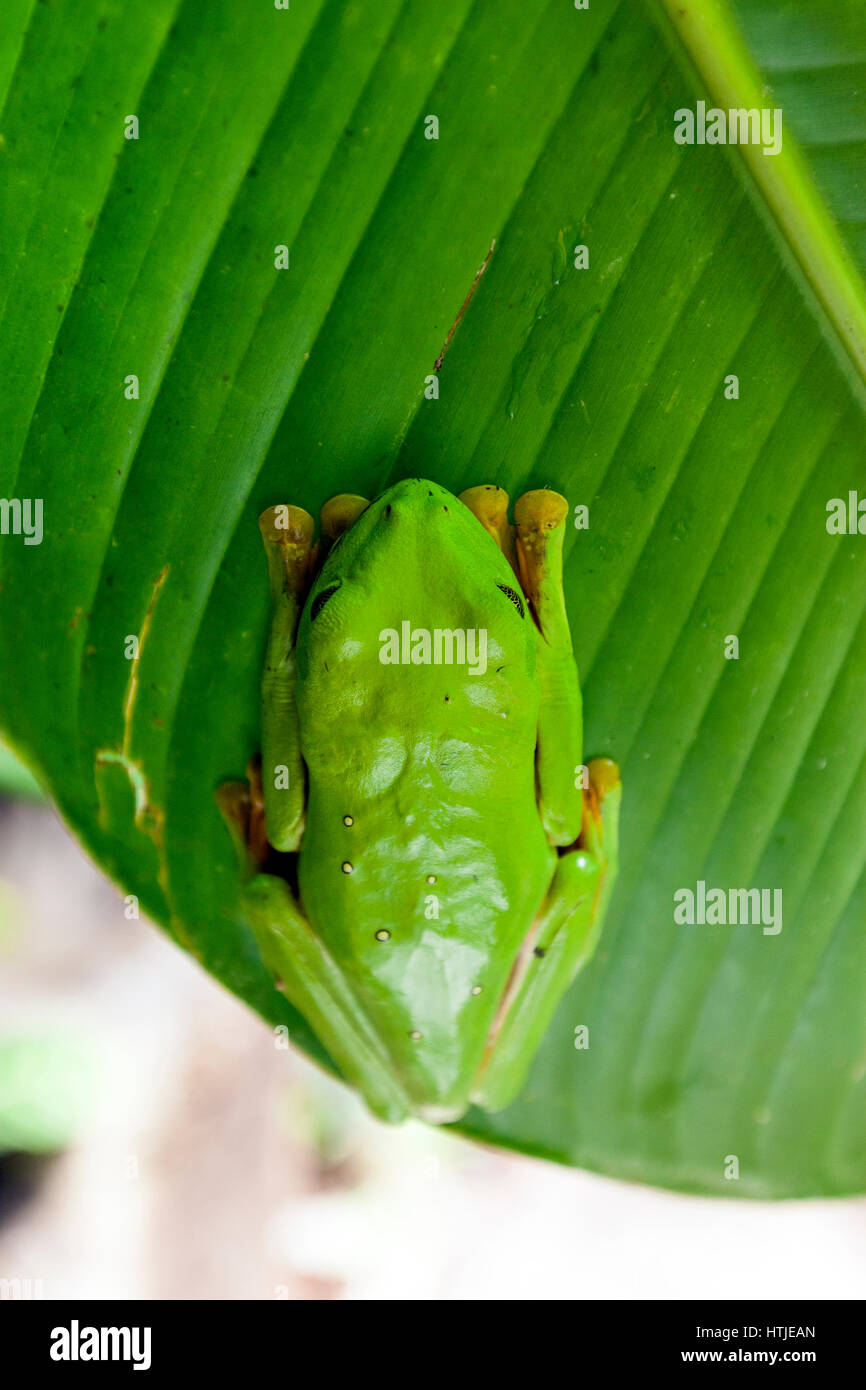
(294, 560)
(489, 504)
(563, 937)
(242, 807)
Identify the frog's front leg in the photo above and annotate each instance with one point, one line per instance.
(288, 536)
(293, 560)
(540, 520)
(565, 936)
(304, 970)
(535, 554)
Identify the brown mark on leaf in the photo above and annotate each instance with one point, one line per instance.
(472, 288)
(149, 818)
(132, 685)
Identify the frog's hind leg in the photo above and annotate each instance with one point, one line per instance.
(304, 971)
(312, 981)
(489, 504)
(565, 936)
(540, 519)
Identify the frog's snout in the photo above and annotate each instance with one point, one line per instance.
(414, 497)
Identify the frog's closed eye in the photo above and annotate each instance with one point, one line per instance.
(513, 597)
(321, 599)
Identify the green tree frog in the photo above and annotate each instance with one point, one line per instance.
(451, 857)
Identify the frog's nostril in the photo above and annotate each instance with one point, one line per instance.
(388, 509)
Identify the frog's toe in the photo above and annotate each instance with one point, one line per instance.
(540, 520)
(539, 511)
(257, 836)
(604, 776)
(287, 533)
(284, 525)
(489, 504)
(241, 806)
(341, 512)
(233, 803)
(601, 801)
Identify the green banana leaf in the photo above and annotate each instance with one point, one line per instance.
(163, 381)
(16, 780)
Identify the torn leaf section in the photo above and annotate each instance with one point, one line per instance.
(147, 817)
(122, 788)
(131, 827)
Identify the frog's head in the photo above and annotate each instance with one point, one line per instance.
(417, 555)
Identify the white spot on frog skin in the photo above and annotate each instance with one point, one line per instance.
(431, 878)
(476, 989)
(388, 762)
(383, 934)
(420, 969)
(485, 695)
(347, 867)
(348, 820)
(458, 765)
(415, 1035)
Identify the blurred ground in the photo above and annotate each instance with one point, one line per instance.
(215, 1165)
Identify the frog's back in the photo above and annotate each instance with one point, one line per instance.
(423, 861)
(422, 867)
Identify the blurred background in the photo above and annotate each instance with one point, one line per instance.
(157, 1141)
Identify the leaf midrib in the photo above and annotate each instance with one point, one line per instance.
(707, 39)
